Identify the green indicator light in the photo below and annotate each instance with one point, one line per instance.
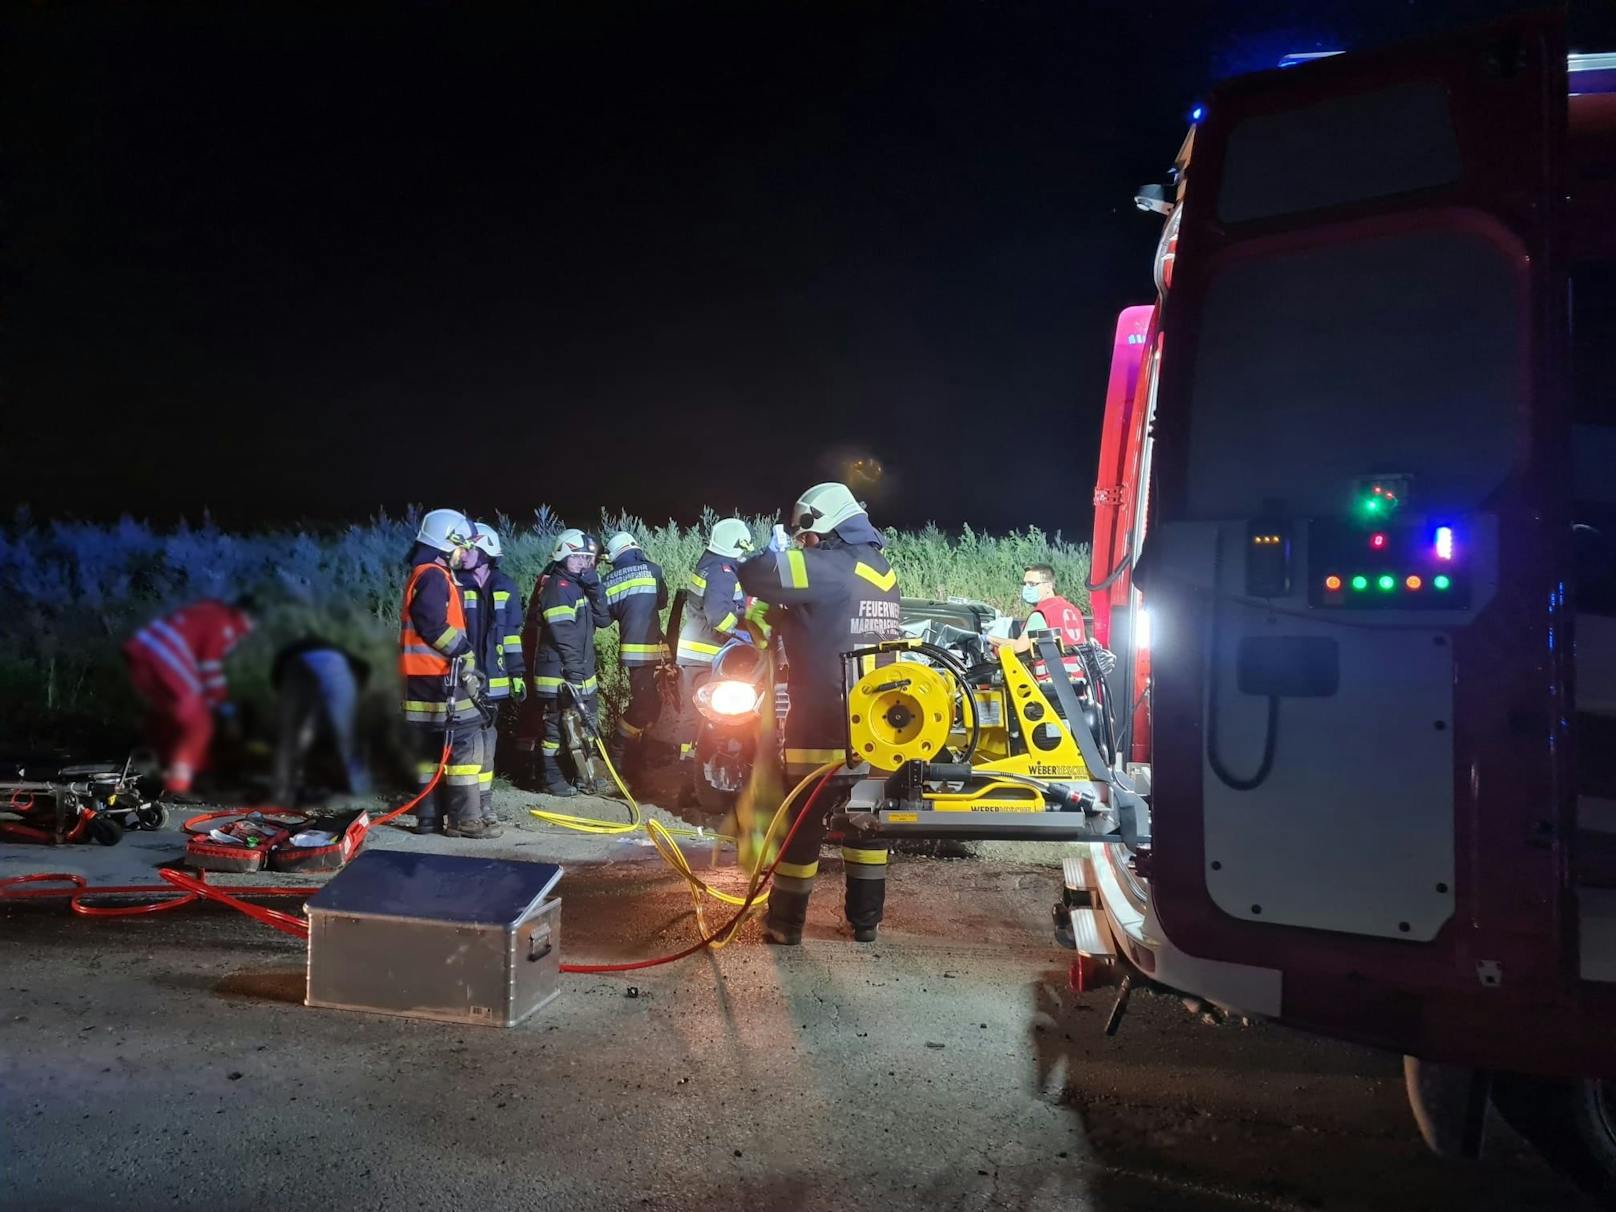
(1360, 582)
(1387, 583)
(1441, 582)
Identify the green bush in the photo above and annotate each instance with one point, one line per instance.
(75, 592)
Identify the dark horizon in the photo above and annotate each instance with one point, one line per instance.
(283, 263)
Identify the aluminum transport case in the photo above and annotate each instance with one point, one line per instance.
(459, 940)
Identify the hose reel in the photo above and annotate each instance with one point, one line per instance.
(900, 713)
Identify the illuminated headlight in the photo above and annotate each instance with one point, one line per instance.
(1142, 630)
(724, 702)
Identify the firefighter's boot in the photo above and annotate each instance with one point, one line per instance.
(551, 780)
(788, 904)
(866, 872)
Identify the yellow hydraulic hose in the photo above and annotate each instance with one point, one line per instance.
(663, 837)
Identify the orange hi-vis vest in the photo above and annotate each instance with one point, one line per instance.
(1066, 621)
(416, 657)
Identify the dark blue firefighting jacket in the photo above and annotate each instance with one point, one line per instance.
(494, 621)
(635, 594)
(828, 600)
(714, 606)
(560, 633)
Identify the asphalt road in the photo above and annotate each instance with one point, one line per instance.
(167, 1062)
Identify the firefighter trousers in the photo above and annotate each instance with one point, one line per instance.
(456, 797)
(864, 864)
(644, 702)
(488, 741)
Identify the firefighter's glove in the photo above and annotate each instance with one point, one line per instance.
(779, 540)
(519, 689)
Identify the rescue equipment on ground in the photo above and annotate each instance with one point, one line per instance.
(482, 937)
(96, 802)
(265, 839)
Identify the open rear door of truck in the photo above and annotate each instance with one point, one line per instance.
(1360, 732)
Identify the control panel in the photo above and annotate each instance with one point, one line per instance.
(1401, 565)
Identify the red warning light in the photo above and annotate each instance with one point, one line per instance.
(1377, 541)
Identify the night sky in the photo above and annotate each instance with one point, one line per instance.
(284, 264)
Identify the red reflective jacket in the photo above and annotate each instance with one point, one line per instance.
(1066, 621)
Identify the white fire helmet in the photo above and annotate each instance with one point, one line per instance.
(570, 542)
(445, 529)
(823, 508)
(487, 538)
(619, 543)
(730, 537)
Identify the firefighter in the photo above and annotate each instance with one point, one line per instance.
(317, 687)
(494, 618)
(1050, 612)
(560, 632)
(176, 665)
(636, 595)
(438, 664)
(714, 607)
(830, 590)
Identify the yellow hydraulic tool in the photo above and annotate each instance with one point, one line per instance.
(928, 761)
(909, 712)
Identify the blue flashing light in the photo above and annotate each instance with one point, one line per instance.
(1197, 113)
(1444, 542)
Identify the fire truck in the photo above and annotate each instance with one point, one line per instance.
(1354, 530)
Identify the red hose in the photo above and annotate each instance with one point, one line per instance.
(182, 889)
(176, 892)
(703, 944)
(437, 775)
(195, 887)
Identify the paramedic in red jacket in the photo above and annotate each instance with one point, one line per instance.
(1050, 612)
(176, 664)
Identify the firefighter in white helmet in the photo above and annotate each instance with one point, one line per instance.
(635, 596)
(714, 609)
(830, 589)
(560, 633)
(437, 661)
(494, 613)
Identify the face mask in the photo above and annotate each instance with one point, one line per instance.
(1032, 594)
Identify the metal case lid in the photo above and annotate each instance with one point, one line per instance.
(437, 887)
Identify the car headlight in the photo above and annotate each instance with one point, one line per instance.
(724, 702)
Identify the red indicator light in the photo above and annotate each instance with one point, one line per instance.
(1413, 582)
(1332, 583)
(1377, 541)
